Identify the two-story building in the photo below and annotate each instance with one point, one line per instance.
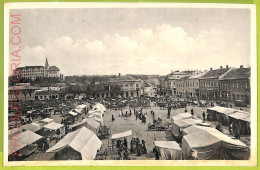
(235, 85)
(171, 81)
(130, 86)
(209, 83)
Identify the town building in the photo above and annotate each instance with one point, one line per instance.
(209, 83)
(235, 85)
(46, 94)
(171, 81)
(39, 72)
(150, 90)
(24, 91)
(130, 86)
(181, 84)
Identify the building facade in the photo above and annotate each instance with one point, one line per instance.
(171, 81)
(39, 72)
(130, 86)
(209, 84)
(235, 85)
(46, 95)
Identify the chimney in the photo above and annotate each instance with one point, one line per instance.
(221, 67)
(226, 66)
(210, 68)
(241, 66)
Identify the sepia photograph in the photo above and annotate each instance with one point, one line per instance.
(130, 84)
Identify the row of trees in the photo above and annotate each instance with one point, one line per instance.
(91, 90)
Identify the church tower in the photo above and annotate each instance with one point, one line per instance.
(46, 68)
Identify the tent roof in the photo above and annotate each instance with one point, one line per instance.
(196, 128)
(99, 107)
(47, 120)
(93, 123)
(206, 138)
(82, 106)
(182, 116)
(73, 113)
(167, 144)
(53, 126)
(241, 115)
(82, 140)
(26, 138)
(78, 110)
(79, 123)
(121, 135)
(228, 111)
(32, 127)
(187, 122)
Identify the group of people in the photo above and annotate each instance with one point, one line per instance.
(138, 146)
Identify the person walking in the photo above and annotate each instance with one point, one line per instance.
(169, 112)
(192, 112)
(113, 119)
(204, 116)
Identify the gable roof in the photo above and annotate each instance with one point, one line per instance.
(237, 73)
(214, 74)
(54, 68)
(82, 140)
(125, 78)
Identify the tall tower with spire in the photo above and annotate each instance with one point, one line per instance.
(46, 68)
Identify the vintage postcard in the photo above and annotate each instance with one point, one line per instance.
(130, 84)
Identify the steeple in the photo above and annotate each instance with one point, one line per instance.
(46, 68)
(46, 63)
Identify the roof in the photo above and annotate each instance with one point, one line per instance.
(237, 73)
(196, 76)
(184, 78)
(187, 122)
(32, 127)
(46, 120)
(99, 107)
(26, 138)
(82, 140)
(53, 126)
(54, 68)
(205, 138)
(167, 144)
(122, 135)
(73, 113)
(93, 123)
(240, 115)
(182, 116)
(213, 74)
(124, 79)
(46, 92)
(197, 128)
(28, 67)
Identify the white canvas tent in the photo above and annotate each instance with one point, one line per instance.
(73, 113)
(179, 125)
(83, 141)
(169, 150)
(121, 135)
(46, 121)
(208, 145)
(182, 116)
(53, 126)
(32, 127)
(99, 107)
(26, 138)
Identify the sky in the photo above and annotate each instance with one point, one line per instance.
(135, 41)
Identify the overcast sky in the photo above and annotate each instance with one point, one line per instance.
(135, 41)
